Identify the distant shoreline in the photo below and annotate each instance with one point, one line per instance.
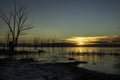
(63, 45)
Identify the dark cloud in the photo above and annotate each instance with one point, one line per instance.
(107, 40)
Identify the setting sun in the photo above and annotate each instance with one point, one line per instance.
(80, 40)
(77, 40)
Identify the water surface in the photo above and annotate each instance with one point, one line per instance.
(102, 63)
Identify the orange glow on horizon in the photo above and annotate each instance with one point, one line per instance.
(92, 40)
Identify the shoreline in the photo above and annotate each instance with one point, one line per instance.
(29, 69)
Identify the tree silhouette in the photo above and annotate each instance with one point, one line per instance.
(7, 38)
(15, 19)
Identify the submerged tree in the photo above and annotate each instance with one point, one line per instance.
(15, 19)
(7, 38)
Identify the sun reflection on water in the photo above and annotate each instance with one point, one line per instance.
(82, 49)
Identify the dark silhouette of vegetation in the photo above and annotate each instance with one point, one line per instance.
(7, 38)
(15, 19)
(36, 42)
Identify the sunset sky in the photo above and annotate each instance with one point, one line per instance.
(67, 19)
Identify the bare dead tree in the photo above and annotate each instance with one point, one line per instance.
(7, 38)
(15, 19)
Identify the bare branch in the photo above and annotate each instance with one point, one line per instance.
(5, 19)
(26, 28)
(23, 21)
(15, 20)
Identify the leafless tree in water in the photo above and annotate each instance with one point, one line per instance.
(7, 38)
(16, 19)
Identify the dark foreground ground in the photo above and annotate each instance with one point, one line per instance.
(28, 69)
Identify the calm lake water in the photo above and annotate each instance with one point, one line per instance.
(102, 63)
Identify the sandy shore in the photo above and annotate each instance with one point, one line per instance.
(33, 70)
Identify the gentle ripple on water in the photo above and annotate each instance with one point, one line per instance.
(102, 63)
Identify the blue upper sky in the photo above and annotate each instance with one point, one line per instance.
(68, 18)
